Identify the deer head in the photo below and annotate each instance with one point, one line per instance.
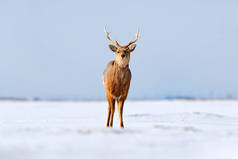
(122, 53)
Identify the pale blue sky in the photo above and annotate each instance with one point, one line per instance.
(58, 49)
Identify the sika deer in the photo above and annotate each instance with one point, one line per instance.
(117, 77)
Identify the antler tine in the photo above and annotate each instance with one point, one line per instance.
(107, 35)
(137, 37)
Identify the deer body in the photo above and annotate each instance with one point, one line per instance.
(117, 80)
(117, 77)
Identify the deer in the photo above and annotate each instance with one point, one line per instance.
(117, 77)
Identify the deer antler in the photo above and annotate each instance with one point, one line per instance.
(137, 37)
(107, 35)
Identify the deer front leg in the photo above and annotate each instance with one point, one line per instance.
(112, 111)
(110, 103)
(120, 104)
(109, 114)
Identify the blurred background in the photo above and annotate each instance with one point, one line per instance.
(58, 50)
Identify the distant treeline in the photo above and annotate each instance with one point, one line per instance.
(92, 99)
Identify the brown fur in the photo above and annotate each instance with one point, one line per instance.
(117, 77)
(117, 80)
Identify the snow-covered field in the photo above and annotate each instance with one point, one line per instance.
(153, 129)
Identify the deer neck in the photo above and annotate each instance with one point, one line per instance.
(122, 62)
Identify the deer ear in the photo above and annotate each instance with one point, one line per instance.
(132, 47)
(113, 48)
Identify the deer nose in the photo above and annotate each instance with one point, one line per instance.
(123, 55)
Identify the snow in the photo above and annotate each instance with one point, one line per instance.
(153, 129)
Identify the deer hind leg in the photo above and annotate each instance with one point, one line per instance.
(112, 111)
(120, 104)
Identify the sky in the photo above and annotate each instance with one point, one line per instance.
(58, 48)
